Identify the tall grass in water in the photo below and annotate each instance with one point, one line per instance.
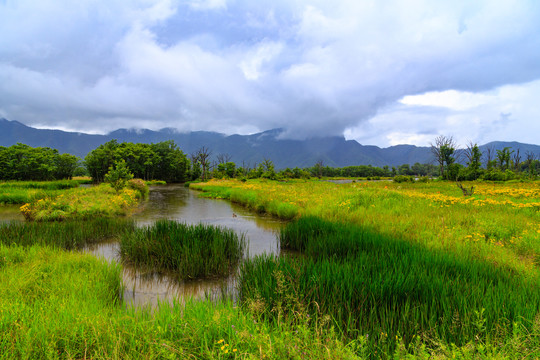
(194, 251)
(64, 305)
(66, 235)
(390, 290)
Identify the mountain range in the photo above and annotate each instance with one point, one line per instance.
(242, 149)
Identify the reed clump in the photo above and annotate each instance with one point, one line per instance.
(389, 290)
(191, 251)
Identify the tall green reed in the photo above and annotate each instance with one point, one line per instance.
(387, 288)
(193, 251)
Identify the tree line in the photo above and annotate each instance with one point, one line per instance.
(22, 162)
(165, 161)
(471, 164)
(159, 161)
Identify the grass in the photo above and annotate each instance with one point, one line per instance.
(498, 223)
(403, 268)
(20, 192)
(191, 251)
(83, 203)
(388, 289)
(56, 304)
(66, 235)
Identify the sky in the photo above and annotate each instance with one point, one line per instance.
(379, 72)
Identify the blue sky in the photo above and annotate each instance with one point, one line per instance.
(381, 72)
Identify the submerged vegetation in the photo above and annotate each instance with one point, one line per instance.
(192, 251)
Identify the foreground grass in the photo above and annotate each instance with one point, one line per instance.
(62, 305)
(191, 251)
(390, 291)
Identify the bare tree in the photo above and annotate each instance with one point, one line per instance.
(529, 160)
(489, 155)
(517, 160)
(442, 149)
(223, 158)
(469, 151)
(202, 155)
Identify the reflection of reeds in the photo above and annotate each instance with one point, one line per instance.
(191, 251)
(374, 284)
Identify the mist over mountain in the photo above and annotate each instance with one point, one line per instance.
(245, 150)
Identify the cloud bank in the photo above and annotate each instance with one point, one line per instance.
(380, 72)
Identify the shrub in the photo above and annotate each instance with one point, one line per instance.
(403, 178)
(139, 186)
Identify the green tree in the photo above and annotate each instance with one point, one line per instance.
(118, 175)
(503, 157)
(65, 166)
(443, 150)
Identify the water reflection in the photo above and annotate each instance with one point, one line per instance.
(10, 213)
(176, 202)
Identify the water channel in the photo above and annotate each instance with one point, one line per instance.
(176, 202)
(179, 203)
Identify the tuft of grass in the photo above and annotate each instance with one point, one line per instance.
(192, 251)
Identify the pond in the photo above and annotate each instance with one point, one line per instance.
(176, 202)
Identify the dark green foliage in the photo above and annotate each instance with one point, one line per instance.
(372, 284)
(65, 235)
(161, 161)
(403, 178)
(193, 251)
(22, 162)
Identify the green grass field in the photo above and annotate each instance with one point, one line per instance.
(372, 270)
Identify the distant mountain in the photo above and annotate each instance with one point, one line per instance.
(243, 149)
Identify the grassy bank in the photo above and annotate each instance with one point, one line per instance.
(20, 192)
(498, 223)
(251, 199)
(191, 251)
(83, 203)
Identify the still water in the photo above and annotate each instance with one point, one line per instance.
(179, 203)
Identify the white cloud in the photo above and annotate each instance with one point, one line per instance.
(380, 72)
(208, 4)
(451, 99)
